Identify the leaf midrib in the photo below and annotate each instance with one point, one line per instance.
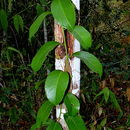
(87, 61)
(74, 123)
(64, 14)
(44, 54)
(57, 83)
(78, 35)
(47, 109)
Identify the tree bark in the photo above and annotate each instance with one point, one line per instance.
(74, 64)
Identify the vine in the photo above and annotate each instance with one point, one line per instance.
(57, 81)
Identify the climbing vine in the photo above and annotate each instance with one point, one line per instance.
(57, 82)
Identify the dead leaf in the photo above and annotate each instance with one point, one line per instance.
(103, 84)
(128, 93)
(112, 82)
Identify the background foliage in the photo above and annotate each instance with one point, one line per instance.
(22, 91)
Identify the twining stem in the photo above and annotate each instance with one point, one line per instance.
(67, 67)
(65, 45)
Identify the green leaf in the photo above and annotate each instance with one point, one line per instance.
(114, 101)
(43, 2)
(64, 13)
(56, 85)
(18, 22)
(54, 126)
(83, 36)
(39, 9)
(90, 60)
(10, 5)
(98, 127)
(33, 127)
(3, 20)
(106, 93)
(74, 122)
(37, 84)
(128, 120)
(13, 115)
(36, 24)
(43, 114)
(72, 104)
(41, 55)
(100, 93)
(92, 126)
(103, 122)
(108, 128)
(15, 50)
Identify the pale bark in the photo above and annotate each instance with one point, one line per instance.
(74, 63)
(59, 65)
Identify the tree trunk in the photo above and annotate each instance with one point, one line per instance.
(74, 64)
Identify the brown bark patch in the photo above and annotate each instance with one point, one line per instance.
(58, 32)
(60, 50)
(70, 43)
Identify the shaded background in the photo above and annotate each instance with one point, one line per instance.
(22, 90)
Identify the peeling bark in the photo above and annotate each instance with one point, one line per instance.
(59, 53)
(70, 43)
(75, 65)
(60, 65)
(72, 67)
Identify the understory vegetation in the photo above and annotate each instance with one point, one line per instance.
(105, 101)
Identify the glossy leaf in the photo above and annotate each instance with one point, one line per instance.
(3, 19)
(74, 122)
(90, 60)
(83, 36)
(18, 22)
(64, 13)
(56, 85)
(72, 104)
(43, 114)
(54, 126)
(41, 55)
(36, 24)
